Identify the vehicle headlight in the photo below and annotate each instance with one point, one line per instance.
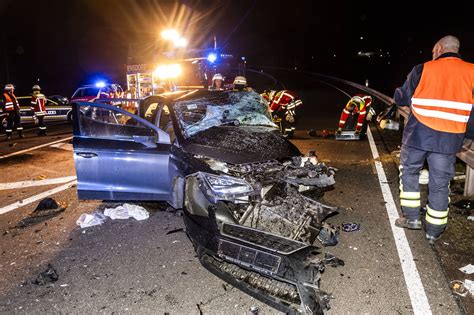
(224, 187)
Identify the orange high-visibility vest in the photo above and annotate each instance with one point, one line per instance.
(444, 97)
(10, 102)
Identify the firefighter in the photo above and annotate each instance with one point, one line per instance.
(240, 83)
(440, 96)
(358, 104)
(217, 82)
(282, 106)
(12, 109)
(38, 106)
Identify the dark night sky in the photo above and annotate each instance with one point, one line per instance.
(65, 43)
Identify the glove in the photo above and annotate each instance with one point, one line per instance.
(339, 131)
(357, 132)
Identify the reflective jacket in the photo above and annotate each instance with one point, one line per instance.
(282, 99)
(360, 108)
(440, 95)
(38, 102)
(10, 102)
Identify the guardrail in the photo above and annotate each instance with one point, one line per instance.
(466, 154)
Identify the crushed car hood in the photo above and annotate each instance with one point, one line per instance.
(241, 144)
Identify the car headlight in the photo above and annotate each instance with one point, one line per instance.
(224, 187)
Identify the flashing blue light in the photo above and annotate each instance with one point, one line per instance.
(100, 84)
(212, 57)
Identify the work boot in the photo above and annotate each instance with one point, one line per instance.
(432, 239)
(408, 224)
(20, 135)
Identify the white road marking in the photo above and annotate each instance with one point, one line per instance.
(32, 199)
(416, 291)
(64, 146)
(34, 148)
(33, 183)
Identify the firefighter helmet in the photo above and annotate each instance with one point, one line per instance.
(240, 80)
(36, 87)
(217, 76)
(9, 87)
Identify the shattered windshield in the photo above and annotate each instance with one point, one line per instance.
(219, 109)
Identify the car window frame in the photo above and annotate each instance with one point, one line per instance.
(163, 137)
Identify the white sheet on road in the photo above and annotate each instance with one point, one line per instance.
(126, 211)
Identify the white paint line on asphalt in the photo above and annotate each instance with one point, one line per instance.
(64, 146)
(416, 291)
(34, 148)
(32, 199)
(33, 183)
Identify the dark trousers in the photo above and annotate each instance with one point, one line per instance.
(14, 122)
(441, 171)
(41, 125)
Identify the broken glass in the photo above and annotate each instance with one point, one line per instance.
(219, 109)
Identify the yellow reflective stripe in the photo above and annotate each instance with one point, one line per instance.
(410, 203)
(435, 221)
(436, 213)
(413, 195)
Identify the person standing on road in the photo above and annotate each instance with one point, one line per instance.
(440, 94)
(11, 107)
(38, 106)
(282, 105)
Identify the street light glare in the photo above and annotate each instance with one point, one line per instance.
(180, 42)
(170, 34)
(168, 71)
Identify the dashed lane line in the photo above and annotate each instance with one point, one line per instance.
(37, 197)
(33, 183)
(416, 291)
(34, 148)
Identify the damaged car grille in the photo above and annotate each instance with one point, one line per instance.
(249, 257)
(260, 238)
(275, 288)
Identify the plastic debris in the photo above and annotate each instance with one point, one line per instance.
(424, 177)
(175, 231)
(88, 220)
(468, 269)
(465, 204)
(350, 227)
(469, 285)
(48, 206)
(47, 276)
(458, 287)
(126, 211)
(328, 236)
(470, 218)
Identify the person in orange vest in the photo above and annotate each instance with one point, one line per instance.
(440, 96)
(38, 106)
(11, 107)
(357, 105)
(282, 105)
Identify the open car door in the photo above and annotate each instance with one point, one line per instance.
(118, 155)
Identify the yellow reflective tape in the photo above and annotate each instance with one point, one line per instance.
(410, 203)
(436, 213)
(413, 195)
(435, 221)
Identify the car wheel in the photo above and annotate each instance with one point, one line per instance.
(69, 117)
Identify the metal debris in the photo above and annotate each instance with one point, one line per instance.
(47, 276)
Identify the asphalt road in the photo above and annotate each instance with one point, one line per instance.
(128, 266)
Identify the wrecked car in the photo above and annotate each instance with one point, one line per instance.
(251, 201)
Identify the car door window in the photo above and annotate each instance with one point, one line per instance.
(99, 122)
(165, 122)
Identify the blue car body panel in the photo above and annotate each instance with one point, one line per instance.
(110, 167)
